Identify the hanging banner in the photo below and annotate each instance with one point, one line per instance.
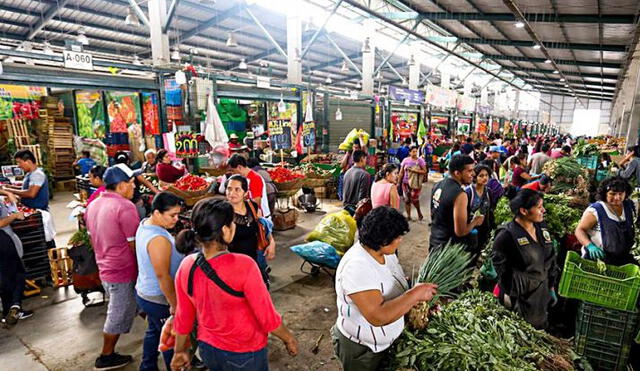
(484, 97)
(20, 101)
(405, 124)
(150, 114)
(402, 95)
(309, 134)
(482, 127)
(467, 104)
(90, 114)
(439, 124)
(123, 109)
(440, 97)
(445, 78)
(464, 125)
(495, 126)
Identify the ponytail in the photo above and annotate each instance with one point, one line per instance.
(186, 241)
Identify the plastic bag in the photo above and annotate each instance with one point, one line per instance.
(336, 229)
(353, 135)
(168, 337)
(318, 252)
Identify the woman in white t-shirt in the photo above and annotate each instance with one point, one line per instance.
(606, 229)
(373, 294)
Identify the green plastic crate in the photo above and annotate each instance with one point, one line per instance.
(601, 175)
(590, 162)
(603, 356)
(611, 326)
(616, 287)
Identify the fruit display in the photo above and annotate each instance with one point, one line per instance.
(283, 175)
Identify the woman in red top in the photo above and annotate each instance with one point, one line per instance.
(165, 170)
(235, 313)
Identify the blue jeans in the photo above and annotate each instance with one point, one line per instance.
(221, 360)
(157, 314)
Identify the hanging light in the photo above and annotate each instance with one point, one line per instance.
(47, 49)
(136, 60)
(404, 82)
(243, 64)
(562, 79)
(383, 89)
(537, 46)
(556, 72)
(298, 57)
(231, 41)
(347, 91)
(358, 85)
(412, 61)
(282, 107)
(131, 19)
(175, 54)
(519, 24)
(82, 37)
(344, 67)
(379, 75)
(328, 80)
(366, 48)
(548, 61)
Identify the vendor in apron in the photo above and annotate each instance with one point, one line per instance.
(524, 259)
(34, 192)
(606, 229)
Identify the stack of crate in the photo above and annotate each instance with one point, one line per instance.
(35, 257)
(57, 130)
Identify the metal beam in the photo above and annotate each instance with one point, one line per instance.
(581, 95)
(567, 73)
(434, 69)
(404, 39)
(344, 55)
(319, 30)
(266, 32)
(170, 14)
(48, 15)
(333, 62)
(532, 17)
(140, 13)
(558, 61)
(212, 22)
(579, 83)
(550, 44)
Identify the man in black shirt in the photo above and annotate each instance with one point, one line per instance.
(449, 205)
(357, 181)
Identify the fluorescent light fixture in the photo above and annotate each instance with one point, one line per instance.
(537, 46)
(556, 72)
(562, 79)
(547, 61)
(47, 49)
(519, 24)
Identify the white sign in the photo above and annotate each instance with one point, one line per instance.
(263, 82)
(78, 61)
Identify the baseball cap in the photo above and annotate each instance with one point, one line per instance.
(233, 136)
(119, 173)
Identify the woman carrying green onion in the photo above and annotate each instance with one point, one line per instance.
(524, 259)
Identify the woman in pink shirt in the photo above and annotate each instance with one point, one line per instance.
(384, 191)
(231, 303)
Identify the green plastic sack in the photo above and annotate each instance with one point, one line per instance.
(353, 135)
(336, 229)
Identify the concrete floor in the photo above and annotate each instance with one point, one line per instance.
(64, 335)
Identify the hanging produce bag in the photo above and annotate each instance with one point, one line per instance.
(337, 229)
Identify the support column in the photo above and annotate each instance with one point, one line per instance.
(368, 58)
(414, 74)
(294, 49)
(159, 40)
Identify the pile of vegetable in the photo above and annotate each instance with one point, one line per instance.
(192, 183)
(585, 149)
(81, 238)
(561, 217)
(449, 268)
(568, 176)
(283, 175)
(311, 171)
(475, 332)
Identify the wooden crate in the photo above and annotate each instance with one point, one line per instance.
(66, 185)
(61, 266)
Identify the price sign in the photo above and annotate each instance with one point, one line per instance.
(187, 145)
(78, 61)
(309, 133)
(280, 134)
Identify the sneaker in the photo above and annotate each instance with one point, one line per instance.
(14, 314)
(24, 314)
(112, 361)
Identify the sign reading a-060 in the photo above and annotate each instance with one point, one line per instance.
(280, 134)
(78, 61)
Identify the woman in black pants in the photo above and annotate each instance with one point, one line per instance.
(12, 273)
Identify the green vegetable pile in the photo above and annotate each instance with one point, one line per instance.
(81, 238)
(561, 217)
(584, 149)
(568, 176)
(476, 333)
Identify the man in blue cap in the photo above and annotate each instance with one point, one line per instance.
(112, 220)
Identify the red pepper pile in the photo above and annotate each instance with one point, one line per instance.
(27, 211)
(283, 175)
(191, 183)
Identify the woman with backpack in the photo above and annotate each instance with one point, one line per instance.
(224, 291)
